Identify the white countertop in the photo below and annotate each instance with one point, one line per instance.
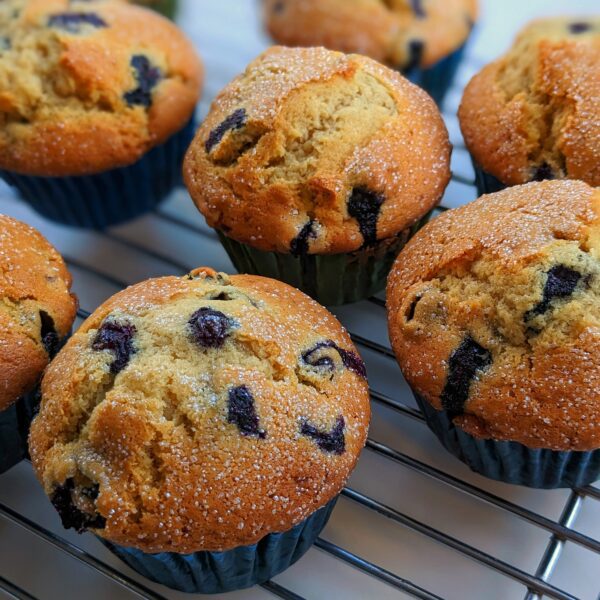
(228, 35)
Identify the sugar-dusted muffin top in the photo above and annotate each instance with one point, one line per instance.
(534, 113)
(314, 151)
(37, 308)
(400, 33)
(494, 315)
(200, 413)
(86, 86)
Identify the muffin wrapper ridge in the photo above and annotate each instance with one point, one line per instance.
(437, 79)
(14, 430)
(115, 196)
(331, 279)
(512, 462)
(220, 572)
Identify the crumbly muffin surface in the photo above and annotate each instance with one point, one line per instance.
(200, 413)
(89, 86)
(37, 308)
(313, 151)
(494, 315)
(534, 114)
(400, 33)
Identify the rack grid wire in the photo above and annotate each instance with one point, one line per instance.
(142, 244)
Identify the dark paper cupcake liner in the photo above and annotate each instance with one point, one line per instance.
(220, 572)
(331, 279)
(486, 183)
(115, 196)
(512, 462)
(437, 79)
(14, 430)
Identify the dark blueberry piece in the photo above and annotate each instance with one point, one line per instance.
(580, 27)
(351, 360)
(71, 516)
(48, 334)
(118, 338)
(332, 441)
(560, 283)
(543, 172)
(72, 22)
(416, 48)
(465, 362)
(299, 245)
(364, 205)
(236, 120)
(242, 413)
(418, 9)
(91, 492)
(210, 328)
(147, 77)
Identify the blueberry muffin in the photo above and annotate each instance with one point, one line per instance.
(37, 312)
(424, 39)
(204, 414)
(534, 114)
(315, 167)
(494, 315)
(96, 102)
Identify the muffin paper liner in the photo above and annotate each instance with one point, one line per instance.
(437, 79)
(331, 279)
(486, 183)
(512, 462)
(14, 430)
(219, 572)
(115, 196)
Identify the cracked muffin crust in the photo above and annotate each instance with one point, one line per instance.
(534, 114)
(37, 309)
(315, 152)
(89, 86)
(400, 33)
(200, 413)
(494, 315)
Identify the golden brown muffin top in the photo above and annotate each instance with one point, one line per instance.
(494, 315)
(314, 151)
(200, 413)
(534, 113)
(400, 33)
(37, 308)
(89, 86)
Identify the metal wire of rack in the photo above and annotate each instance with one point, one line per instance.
(534, 585)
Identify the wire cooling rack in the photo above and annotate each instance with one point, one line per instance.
(413, 522)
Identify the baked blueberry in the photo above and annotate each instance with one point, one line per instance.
(543, 172)
(469, 359)
(147, 76)
(73, 22)
(118, 338)
(48, 334)
(418, 8)
(300, 244)
(561, 282)
(317, 357)
(332, 441)
(241, 412)
(210, 328)
(580, 27)
(364, 205)
(71, 516)
(236, 120)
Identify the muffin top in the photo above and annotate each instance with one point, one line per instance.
(37, 307)
(400, 33)
(200, 413)
(494, 315)
(315, 151)
(534, 114)
(86, 86)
